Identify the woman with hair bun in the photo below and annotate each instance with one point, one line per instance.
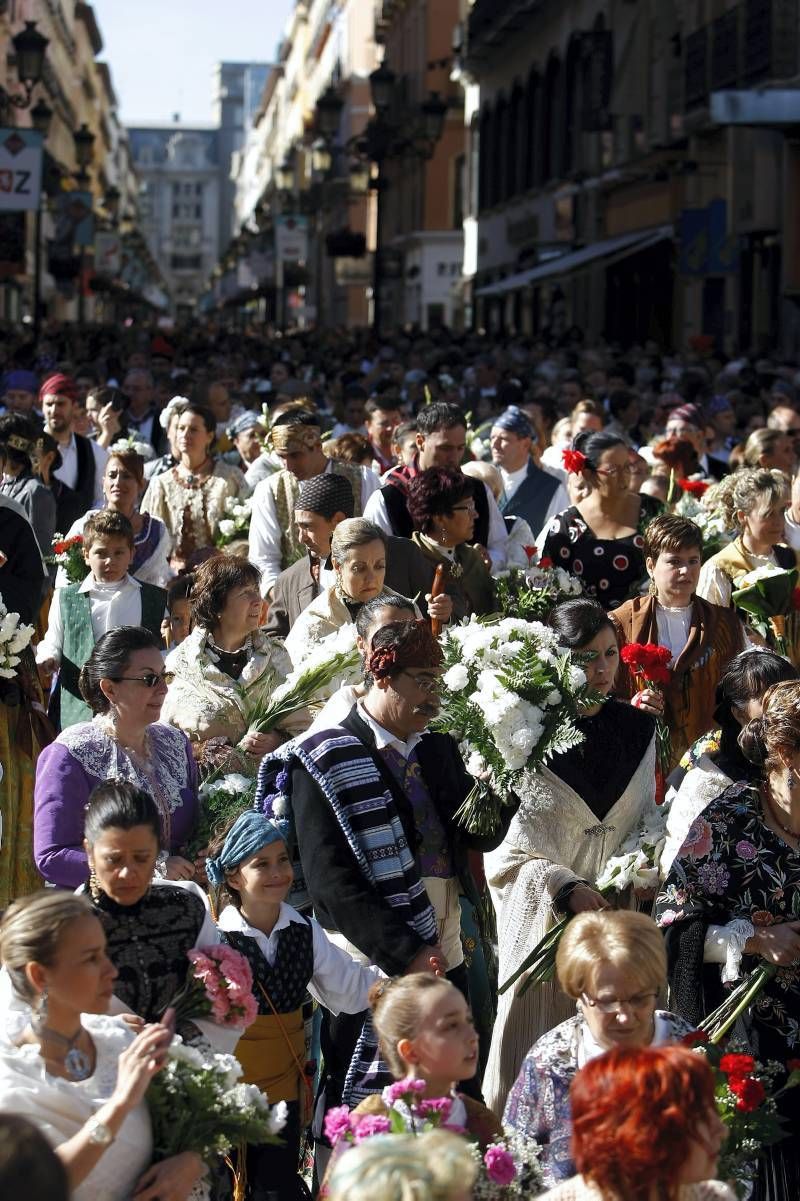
(731, 901)
(599, 539)
(124, 683)
(571, 819)
(645, 1126)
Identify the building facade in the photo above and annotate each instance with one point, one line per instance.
(179, 201)
(607, 187)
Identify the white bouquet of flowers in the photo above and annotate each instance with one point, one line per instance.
(14, 637)
(197, 1103)
(638, 862)
(713, 526)
(222, 798)
(237, 523)
(531, 593)
(511, 698)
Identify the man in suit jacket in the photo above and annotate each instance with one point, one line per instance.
(366, 793)
(528, 491)
(689, 422)
(323, 502)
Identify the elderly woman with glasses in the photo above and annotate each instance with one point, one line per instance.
(442, 507)
(124, 683)
(613, 965)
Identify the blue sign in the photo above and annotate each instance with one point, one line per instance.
(706, 247)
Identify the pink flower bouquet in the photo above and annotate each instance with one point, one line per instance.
(219, 987)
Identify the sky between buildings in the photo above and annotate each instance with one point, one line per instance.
(162, 52)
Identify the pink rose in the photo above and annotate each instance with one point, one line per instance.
(500, 1166)
(698, 840)
(338, 1124)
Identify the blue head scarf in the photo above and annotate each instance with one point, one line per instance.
(22, 381)
(249, 833)
(514, 420)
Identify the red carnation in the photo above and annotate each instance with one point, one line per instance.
(737, 1065)
(749, 1093)
(694, 487)
(574, 461)
(546, 562)
(381, 662)
(530, 551)
(648, 660)
(694, 1038)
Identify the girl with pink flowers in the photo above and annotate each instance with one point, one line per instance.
(289, 955)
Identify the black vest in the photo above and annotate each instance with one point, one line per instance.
(286, 981)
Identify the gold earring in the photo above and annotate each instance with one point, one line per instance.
(652, 588)
(94, 886)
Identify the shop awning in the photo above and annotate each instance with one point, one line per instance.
(565, 264)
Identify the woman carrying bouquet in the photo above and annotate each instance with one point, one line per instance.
(702, 638)
(755, 505)
(730, 903)
(225, 668)
(288, 954)
(572, 818)
(150, 924)
(80, 1076)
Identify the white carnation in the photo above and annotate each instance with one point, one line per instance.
(456, 678)
(226, 527)
(577, 677)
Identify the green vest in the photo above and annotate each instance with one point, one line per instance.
(79, 643)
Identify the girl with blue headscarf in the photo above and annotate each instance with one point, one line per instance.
(289, 954)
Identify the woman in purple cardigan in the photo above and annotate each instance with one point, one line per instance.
(123, 683)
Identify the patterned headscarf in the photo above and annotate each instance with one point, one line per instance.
(249, 833)
(289, 438)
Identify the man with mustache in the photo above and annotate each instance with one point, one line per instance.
(373, 803)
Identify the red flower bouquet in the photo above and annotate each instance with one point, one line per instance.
(648, 664)
(219, 988)
(745, 1092)
(574, 461)
(68, 553)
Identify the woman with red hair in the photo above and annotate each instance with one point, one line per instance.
(645, 1128)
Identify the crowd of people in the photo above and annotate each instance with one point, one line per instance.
(192, 524)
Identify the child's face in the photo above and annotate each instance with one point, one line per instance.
(446, 1047)
(109, 558)
(264, 878)
(179, 621)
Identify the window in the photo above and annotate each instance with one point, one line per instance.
(186, 262)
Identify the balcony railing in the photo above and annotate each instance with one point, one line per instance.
(754, 42)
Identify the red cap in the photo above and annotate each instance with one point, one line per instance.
(59, 385)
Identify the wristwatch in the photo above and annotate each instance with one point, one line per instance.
(99, 1133)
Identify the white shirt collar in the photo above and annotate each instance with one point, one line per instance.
(514, 477)
(383, 738)
(91, 584)
(232, 918)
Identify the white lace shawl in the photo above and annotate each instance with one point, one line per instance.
(701, 785)
(554, 838)
(101, 756)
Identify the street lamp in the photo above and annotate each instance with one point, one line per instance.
(381, 87)
(321, 157)
(359, 176)
(284, 174)
(83, 140)
(111, 201)
(29, 50)
(434, 111)
(329, 112)
(41, 116)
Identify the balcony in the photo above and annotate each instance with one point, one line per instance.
(755, 42)
(492, 22)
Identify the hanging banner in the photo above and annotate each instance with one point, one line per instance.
(291, 239)
(20, 170)
(107, 253)
(74, 222)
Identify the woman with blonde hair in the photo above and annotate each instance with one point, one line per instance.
(612, 964)
(730, 900)
(770, 449)
(358, 556)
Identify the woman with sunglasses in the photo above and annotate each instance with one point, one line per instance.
(124, 683)
(442, 508)
(599, 539)
(123, 486)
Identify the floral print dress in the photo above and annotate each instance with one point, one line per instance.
(732, 865)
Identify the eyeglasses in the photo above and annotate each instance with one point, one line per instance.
(150, 679)
(424, 683)
(613, 470)
(465, 509)
(616, 1005)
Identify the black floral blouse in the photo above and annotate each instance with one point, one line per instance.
(732, 865)
(610, 569)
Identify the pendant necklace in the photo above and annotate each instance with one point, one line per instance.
(77, 1064)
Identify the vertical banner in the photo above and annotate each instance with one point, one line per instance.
(291, 238)
(20, 170)
(107, 253)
